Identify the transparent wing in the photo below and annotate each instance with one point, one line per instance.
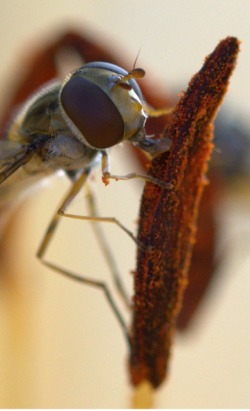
(14, 155)
(9, 149)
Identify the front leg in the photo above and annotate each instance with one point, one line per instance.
(106, 176)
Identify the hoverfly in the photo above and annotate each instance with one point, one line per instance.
(71, 127)
(68, 126)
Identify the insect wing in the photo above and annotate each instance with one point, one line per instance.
(14, 155)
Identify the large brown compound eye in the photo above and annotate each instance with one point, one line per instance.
(92, 112)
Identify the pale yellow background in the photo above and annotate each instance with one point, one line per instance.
(60, 345)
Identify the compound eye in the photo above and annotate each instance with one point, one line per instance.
(92, 112)
(113, 68)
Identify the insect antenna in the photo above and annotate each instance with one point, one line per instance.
(136, 58)
(135, 73)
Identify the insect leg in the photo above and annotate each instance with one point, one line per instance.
(94, 283)
(113, 220)
(91, 203)
(100, 236)
(94, 218)
(107, 176)
(78, 184)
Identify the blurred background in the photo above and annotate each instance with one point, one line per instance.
(61, 346)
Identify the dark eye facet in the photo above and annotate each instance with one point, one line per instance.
(92, 112)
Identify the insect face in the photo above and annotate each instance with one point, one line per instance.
(102, 105)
